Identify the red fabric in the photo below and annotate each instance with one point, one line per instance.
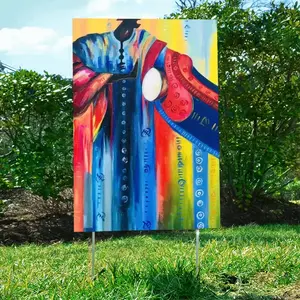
(152, 56)
(86, 85)
(178, 104)
(182, 66)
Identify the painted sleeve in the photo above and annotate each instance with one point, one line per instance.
(86, 85)
(190, 103)
(185, 85)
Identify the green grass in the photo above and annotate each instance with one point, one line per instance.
(251, 262)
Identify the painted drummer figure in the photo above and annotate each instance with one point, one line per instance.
(130, 86)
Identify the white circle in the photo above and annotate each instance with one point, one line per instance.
(200, 203)
(199, 181)
(200, 215)
(200, 225)
(125, 199)
(199, 169)
(152, 84)
(199, 160)
(198, 152)
(199, 193)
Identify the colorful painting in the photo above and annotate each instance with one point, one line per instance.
(146, 140)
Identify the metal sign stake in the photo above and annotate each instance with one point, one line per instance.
(93, 255)
(197, 250)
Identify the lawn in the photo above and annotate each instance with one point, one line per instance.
(250, 262)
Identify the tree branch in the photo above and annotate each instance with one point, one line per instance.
(183, 4)
(5, 155)
(279, 188)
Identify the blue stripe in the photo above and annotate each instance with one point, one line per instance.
(125, 155)
(141, 36)
(205, 188)
(98, 181)
(150, 218)
(205, 81)
(89, 229)
(88, 204)
(190, 137)
(116, 181)
(135, 166)
(202, 128)
(160, 61)
(200, 184)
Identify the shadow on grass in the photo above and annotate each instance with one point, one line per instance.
(179, 282)
(160, 281)
(172, 282)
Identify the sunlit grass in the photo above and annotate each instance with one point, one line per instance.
(251, 262)
(295, 201)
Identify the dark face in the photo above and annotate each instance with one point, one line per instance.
(124, 31)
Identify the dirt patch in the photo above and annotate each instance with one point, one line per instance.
(264, 278)
(269, 211)
(292, 293)
(30, 218)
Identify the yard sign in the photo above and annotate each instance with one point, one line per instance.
(146, 140)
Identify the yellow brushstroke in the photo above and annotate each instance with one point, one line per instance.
(214, 191)
(213, 61)
(200, 65)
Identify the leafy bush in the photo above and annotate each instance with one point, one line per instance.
(36, 132)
